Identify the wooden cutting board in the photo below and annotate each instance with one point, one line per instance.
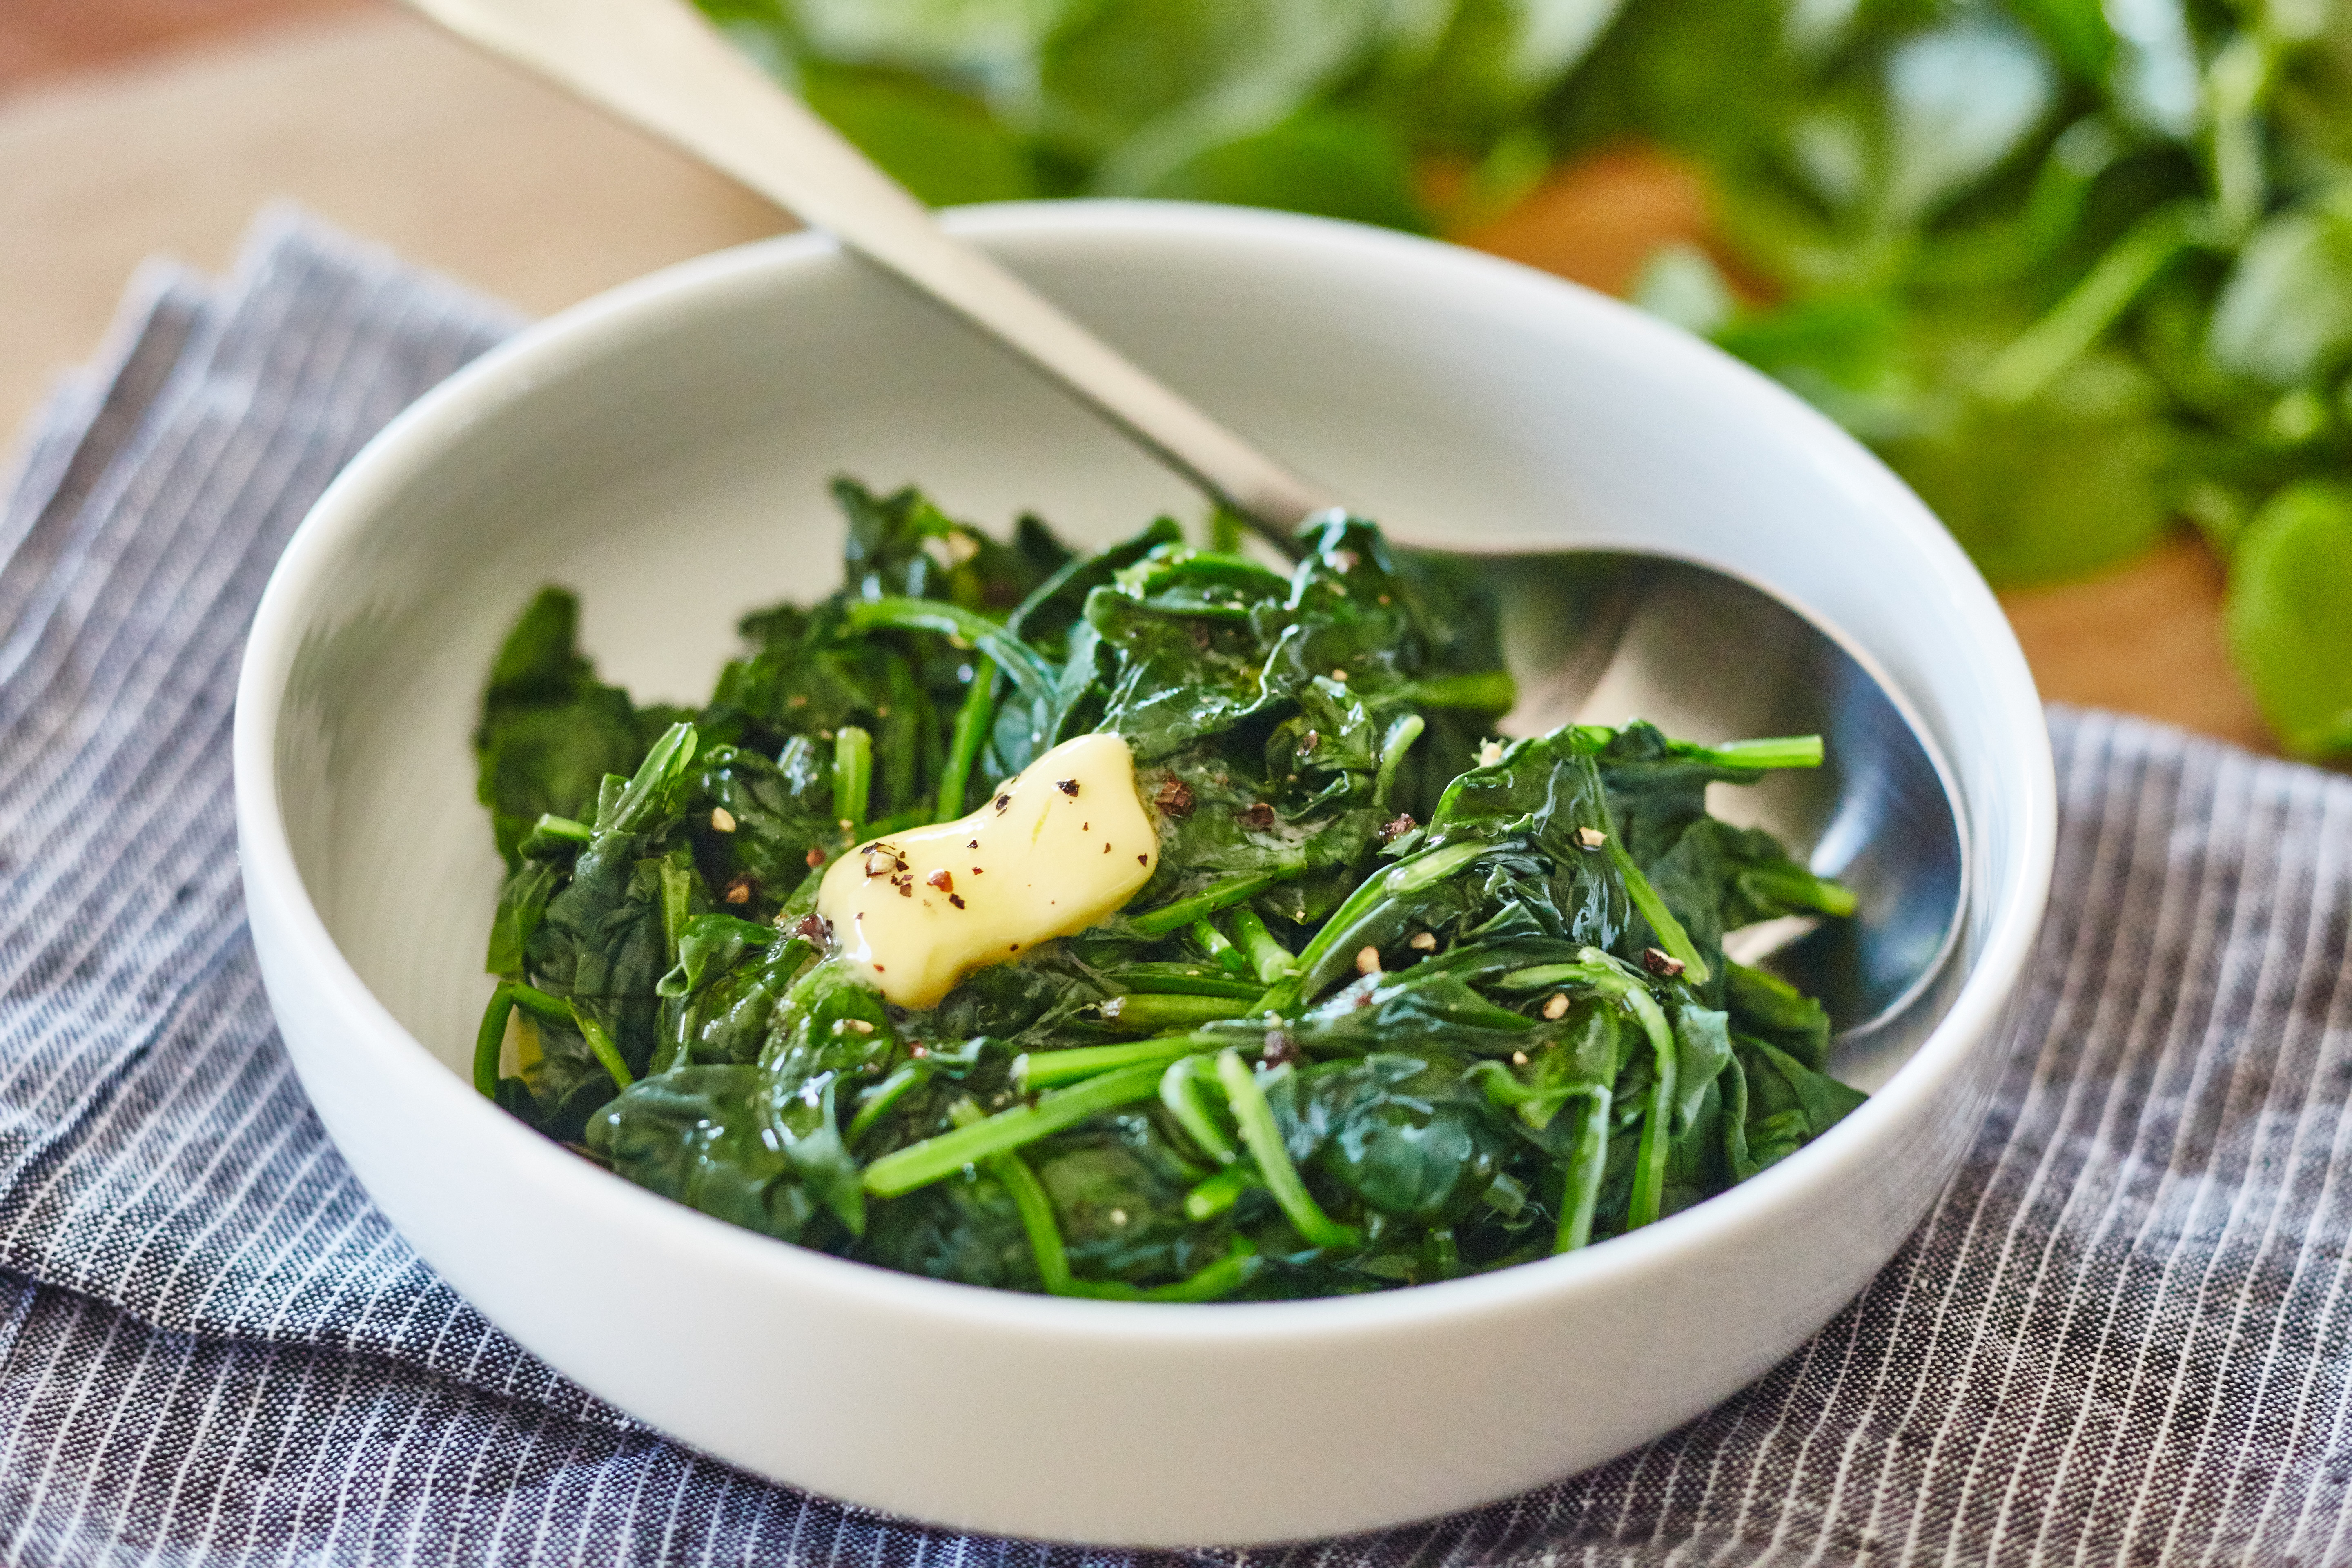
(377, 123)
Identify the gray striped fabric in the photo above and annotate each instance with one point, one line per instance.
(2121, 1336)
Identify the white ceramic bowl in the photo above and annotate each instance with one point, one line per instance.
(664, 448)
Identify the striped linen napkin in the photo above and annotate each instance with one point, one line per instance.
(2121, 1336)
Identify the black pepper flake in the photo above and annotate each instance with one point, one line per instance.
(1106, 849)
(1002, 801)
(1067, 786)
(955, 898)
(1174, 797)
(814, 928)
(973, 844)
(1403, 824)
(1260, 817)
(1659, 961)
(906, 886)
(1143, 859)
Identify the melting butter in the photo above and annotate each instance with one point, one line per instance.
(1056, 850)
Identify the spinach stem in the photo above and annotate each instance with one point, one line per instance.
(876, 1102)
(677, 901)
(643, 791)
(1621, 985)
(1255, 1119)
(853, 777)
(1179, 1092)
(489, 1040)
(538, 1003)
(970, 733)
(1487, 691)
(600, 1042)
(1334, 946)
(1670, 933)
(1587, 1163)
(1650, 1158)
(1778, 752)
(1148, 1013)
(1031, 1201)
(1210, 899)
(1051, 1069)
(1219, 951)
(1271, 960)
(1219, 1193)
(1206, 1284)
(919, 1164)
(1172, 979)
(1800, 889)
(1401, 734)
(1029, 671)
(1036, 1211)
(549, 837)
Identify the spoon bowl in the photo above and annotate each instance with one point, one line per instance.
(1602, 637)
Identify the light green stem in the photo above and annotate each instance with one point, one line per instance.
(971, 734)
(1255, 1119)
(1053, 1070)
(1179, 1092)
(853, 777)
(919, 1164)
(1587, 1161)
(1269, 958)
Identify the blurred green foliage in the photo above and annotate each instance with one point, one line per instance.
(2077, 269)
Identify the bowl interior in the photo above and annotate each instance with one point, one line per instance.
(666, 454)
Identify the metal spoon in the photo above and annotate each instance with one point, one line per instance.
(1883, 814)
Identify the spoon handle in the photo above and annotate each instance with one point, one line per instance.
(658, 64)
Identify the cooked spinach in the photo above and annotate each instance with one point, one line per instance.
(1399, 1002)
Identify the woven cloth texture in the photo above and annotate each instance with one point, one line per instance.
(2121, 1336)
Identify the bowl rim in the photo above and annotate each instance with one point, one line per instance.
(577, 338)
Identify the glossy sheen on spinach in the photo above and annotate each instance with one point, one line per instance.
(1399, 1002)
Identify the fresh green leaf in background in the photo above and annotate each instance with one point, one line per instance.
(2081, 269)
(2283, 316)
(2290, 615)
(943, 146)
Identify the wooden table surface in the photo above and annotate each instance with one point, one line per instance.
(130, 128)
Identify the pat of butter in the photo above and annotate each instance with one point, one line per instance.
(1056, 850)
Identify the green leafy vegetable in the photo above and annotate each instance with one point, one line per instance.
(2078, 270)
(1397, 1002)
